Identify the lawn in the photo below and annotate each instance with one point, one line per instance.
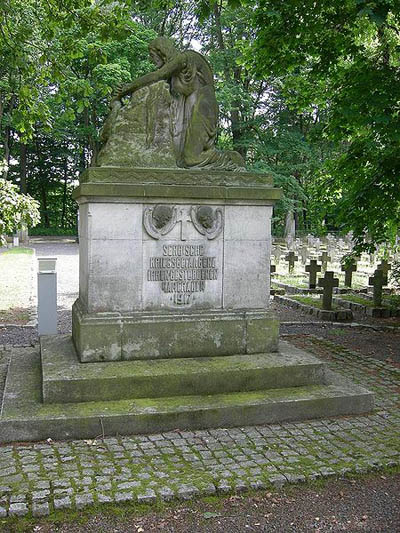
(311, 300)
(357, 299)
(15, 285)
(392, 301)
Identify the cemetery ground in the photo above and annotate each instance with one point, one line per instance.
(219, 479)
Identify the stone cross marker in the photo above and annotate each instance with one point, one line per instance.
(276, 252)
(348, 273)
(385, 267)
(328, 282)
(272, 270)
(324, 258)
(312, 269)
(291, 258)
(304, 254)
(378, 280)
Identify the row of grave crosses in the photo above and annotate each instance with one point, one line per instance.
(313, 268)
(329, 282)
(291, 257)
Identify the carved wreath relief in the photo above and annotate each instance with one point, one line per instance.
(182, 269)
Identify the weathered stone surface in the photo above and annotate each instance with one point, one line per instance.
(117, 247)
(40, 509)
(65, 379)
(139, 133)
(191, 109)
(128, 336)
(322, 447)
(25, 417)
(18, 509)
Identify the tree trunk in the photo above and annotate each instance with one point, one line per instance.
(43, 193)
(7, 142)
(64, 204)
(230, 78)
(22, 171)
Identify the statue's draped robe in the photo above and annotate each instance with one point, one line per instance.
(195, 115)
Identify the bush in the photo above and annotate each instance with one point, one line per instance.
(41, 231)
(16, 209)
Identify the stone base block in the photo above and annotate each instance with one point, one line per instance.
(25, 417)
(66, 380)
(133, 336)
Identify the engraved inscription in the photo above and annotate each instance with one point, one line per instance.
(182, 271)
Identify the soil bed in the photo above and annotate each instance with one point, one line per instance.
(337, 505)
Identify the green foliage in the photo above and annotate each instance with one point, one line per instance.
(53, 231)
(56, 80)
(16, 209)
(344, 57)
(308, 92)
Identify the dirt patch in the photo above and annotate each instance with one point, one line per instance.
(384, 346)
(364, 505)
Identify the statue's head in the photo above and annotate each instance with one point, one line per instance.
(161, 51)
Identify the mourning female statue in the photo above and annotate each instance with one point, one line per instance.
(193, 107)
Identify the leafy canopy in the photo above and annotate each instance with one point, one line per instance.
(344, 56)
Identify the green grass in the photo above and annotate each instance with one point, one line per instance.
(18, 251)
(16, 285)
(300, 280)
(295, 281)
(392, 301)
(357, 299)
(310, 300)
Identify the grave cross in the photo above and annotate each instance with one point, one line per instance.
(304, 254)
(312, 269)
(272, 270)
(328, 282)
(291, 258)
(276, 252)
(324, 258)
(348, 273)
(385, 267)
(371, 259)
(378, 280)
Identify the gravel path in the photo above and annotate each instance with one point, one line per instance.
(67, 253)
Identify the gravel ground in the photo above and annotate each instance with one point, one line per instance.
(371, 506)
(66, 251)
(373, 343)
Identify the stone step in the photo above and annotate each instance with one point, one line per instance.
(65, 379)
(25, 418)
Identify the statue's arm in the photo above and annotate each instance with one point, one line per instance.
(163, 73)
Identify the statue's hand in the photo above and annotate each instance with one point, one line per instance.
(117, 95)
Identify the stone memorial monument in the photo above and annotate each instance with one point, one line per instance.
(172, 327)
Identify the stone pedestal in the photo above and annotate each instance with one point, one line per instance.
(173, 263)
(172, 328)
